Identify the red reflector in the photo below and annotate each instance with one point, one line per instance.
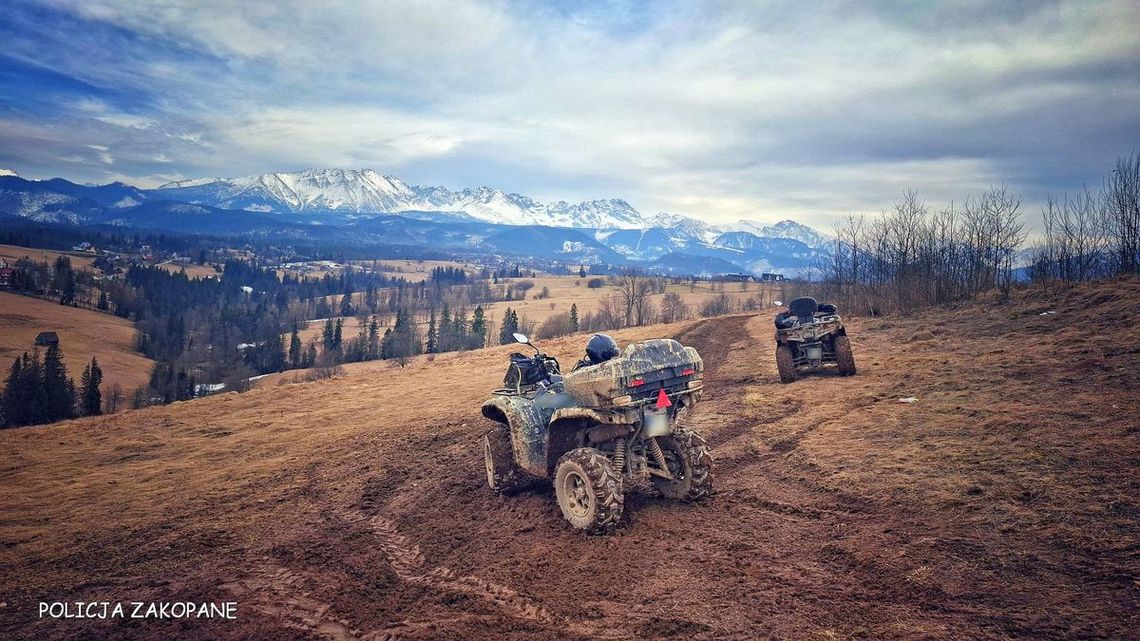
(687, 371)
(636, 382)
(663, 399)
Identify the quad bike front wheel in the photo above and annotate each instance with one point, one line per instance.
(588, 490)
(844, 357)
(502, 474)
(687, 456)
(786, 363)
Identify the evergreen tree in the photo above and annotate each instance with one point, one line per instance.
(444, 340)
(459, 336)
(59, 397)
(327, 335)
(510, 326)
(295, 354)
(338, 335)
(574, 315)
(31, 389)
(373, 339)
(582, 271)
(478, 334)
(14, 405)
(310, 355)
(272, 354)
(323, 310)
(91, 400)
(432, 335)
(346, 308)
(67, 296)
(386, 344)
(103, 304)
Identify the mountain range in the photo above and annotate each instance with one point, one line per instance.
(368, 207)
(369, 192)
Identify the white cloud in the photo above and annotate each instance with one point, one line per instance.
(723, 110)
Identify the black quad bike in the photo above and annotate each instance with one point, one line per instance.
(599, 430)
(811, 336)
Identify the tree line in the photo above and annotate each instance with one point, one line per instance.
(912, 256)
(39, 390)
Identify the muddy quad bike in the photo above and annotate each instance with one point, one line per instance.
(810, 336)
(599, 430)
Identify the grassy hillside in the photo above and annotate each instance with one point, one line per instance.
(82, 333)
(79, 260)
(1002, 504)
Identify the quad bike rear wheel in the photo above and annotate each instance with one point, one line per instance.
(690, 463)
(588, 490)
(786, 363)
(503, 474)
(844, 357)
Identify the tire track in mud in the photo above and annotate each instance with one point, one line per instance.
(407, 560)
(283, 594)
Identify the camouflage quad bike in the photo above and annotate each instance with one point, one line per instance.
(599, 429)
(810, 336)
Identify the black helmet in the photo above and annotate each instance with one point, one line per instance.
(601, 348)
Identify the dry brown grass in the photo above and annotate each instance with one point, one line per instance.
(82, 334)
(1003, 504)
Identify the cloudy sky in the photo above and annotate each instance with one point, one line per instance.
(720, 110)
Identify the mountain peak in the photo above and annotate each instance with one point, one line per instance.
(786, 228)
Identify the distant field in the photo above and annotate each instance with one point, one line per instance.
(82, 334)
(79, 260)
(415, 269)
(566, 291)
(192, 270)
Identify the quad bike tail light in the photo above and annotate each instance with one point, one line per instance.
(688, 371)
(637, 382)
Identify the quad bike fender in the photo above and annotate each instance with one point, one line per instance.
(609, 417)
(528, 430)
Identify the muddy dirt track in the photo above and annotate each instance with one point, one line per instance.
(1001, 505)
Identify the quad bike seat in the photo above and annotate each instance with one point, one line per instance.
(804, 308)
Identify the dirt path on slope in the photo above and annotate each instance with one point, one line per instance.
(839, 514)
(430, 553)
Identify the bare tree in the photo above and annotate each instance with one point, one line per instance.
(609, 314)
(634, 289)
(674, 309)
(1122, 211)
(113, 399)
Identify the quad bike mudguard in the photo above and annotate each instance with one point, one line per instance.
(529, 420)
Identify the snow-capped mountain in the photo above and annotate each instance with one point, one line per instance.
(369, 192)
(7, 172)
(311, 190)
(783, 229)
(686, 224)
